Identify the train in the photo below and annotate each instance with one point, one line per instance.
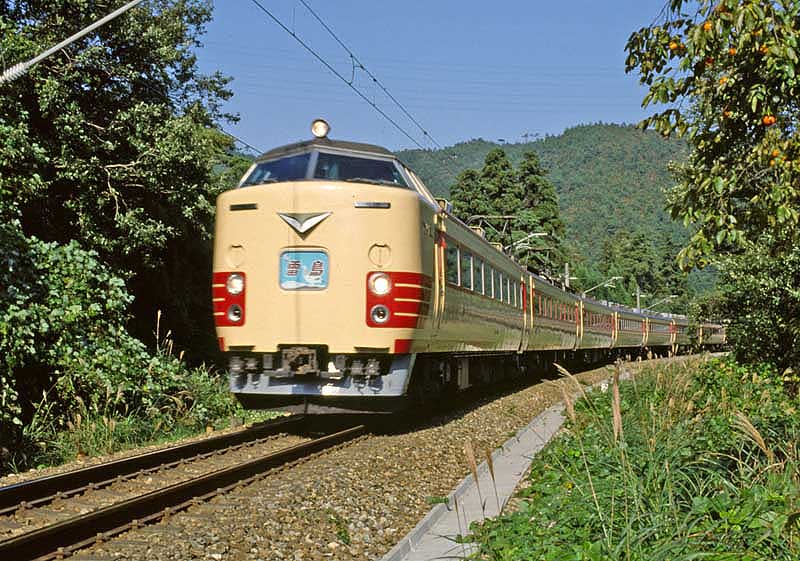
(340, 283)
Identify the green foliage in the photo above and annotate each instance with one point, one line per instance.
(64, 351)
(760, 294)
(497, 191)
(726, 71)
(705, 469)
(607, 178)
(644, 259)
(111, 142)
(109, 165)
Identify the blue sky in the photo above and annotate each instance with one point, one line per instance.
(467, 69)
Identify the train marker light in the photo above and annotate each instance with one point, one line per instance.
(380, 284)
(379, 314)
(320, 128)
(235, 313)
(235, 284)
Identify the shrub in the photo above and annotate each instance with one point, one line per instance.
(65, 352)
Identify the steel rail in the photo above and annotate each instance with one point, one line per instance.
(83, 529)
(45, 489)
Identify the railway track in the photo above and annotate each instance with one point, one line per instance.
(52, 517)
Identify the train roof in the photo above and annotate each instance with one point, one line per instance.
(306, 145)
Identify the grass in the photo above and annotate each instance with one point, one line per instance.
(687, 462)
(96, 433)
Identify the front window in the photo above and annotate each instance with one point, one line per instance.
(291, 168)
(351, 168)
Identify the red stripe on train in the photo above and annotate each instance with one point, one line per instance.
(405, 305)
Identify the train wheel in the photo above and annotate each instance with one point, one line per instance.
(427, 382)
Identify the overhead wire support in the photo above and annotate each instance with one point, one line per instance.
(337, 74)
(361, 66)
(21, 68)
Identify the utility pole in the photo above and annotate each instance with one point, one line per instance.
(566, 275)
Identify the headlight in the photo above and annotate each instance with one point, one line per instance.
(379, 314)
(235, 284)
(235, 313)
(380, 284)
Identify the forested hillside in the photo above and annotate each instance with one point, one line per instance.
(608, 178)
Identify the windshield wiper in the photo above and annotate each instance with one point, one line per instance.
(373, 181)
(260, 182)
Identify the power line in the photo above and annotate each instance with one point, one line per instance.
(21, 68)
(337, 74)
(370, 74)
(240, 141)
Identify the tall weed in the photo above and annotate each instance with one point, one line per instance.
(690, 462)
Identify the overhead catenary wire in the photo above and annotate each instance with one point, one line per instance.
(21, 68)
(240, 141)
(361, 66)
(336, 73)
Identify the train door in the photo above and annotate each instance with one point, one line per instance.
(527, 317)
(673, 336)
(614, 329)
(440, 279)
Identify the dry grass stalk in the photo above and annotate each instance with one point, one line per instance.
(567, 402)
(460, 527)
(490, 463)
(615, 406)
(745, 427)
(469, 452)
(564, 372)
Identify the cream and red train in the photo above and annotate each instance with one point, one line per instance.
(339, 282)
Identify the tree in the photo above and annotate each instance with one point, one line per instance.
(110, 161)
(542, 214)
(499, 190)
(759, 295)
(727, 72)
(469, 198)
(111, 142)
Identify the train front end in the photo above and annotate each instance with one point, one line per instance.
(321, 283)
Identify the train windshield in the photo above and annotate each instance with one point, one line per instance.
(352, 168)
(291, 168)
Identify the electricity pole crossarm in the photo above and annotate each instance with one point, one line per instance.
(21, 68)
(607, 282)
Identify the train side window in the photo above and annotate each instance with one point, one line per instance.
(466, 270)
(452, 264)
(477, 275)
(508, 290)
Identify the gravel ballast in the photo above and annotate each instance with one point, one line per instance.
(353, 503)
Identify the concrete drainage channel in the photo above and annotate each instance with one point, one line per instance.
(433, 537)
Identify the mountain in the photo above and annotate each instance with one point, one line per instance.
(608, 178)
